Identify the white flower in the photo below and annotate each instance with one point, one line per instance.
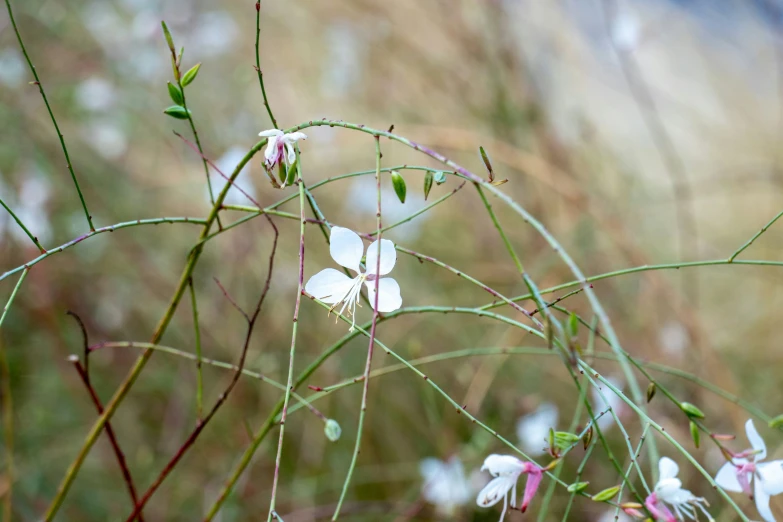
(533, 428)
(280, 146)
(507, 470)
(334, 287)
(445, 484)
(669, 490)
(738, 474)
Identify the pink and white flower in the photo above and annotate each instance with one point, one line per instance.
(669, 491)
(280, 146)
(507, 470)
(738, 475)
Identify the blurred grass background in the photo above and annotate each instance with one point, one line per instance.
(538, 84)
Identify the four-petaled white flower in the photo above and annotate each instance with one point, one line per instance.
(280, 146)
(507, 470)
(669, 491)
(445, 484)
(738, 474)
(334, 287)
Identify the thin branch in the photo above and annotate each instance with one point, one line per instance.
(23, 227)
(199, 373)
(82, 371)
(51, 114)
(294, 329)
(201, 424)
(258, 65)
(368, 364)
(111, 228)
(755, 237)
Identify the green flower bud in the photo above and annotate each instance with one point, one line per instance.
(691, 410)
(427, 184)
(576, 487)
(606, 495)
(399, 185)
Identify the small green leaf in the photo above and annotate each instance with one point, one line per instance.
(427, 184)
(332, 430)
(695, 434)
(189, 76)
(292, 172)
(487, 163)
(399, 185)
(651, 389)
(573, 325)
(177, 111)
(440, 177)
(175, 94)
(576, 487)
(167, 34)
(565, 439)
(606, 495)
(691, 410)
(776, 422)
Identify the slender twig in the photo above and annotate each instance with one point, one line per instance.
(209, 163)
(211, 362)
(755, 237)
(294, 329)
(111, 228)
(82, 371)
(51, 114)
(7, 402)
(197, 332)
(258, 65)
(141, 362)
(23, 227)
(368, 364)
(201, 424)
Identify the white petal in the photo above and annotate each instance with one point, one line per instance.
(389, 298)
(755, 440)
(293, 137)
(388, 257)
(667, 468)
(503, 465)
(495, 491)
(346, 247)
(771, 474)
(762, 502)
(430, 468)
(727, 478)
(270, 133)
(329, 285)
(271, 148)
(291, 153)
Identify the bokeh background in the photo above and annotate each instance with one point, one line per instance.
(643, 131)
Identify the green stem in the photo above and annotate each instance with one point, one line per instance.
(258, 65)
(8, 410)
(755, 237)
(111, 228)
(23, 227)
(290, 384)
(373, 327)
(51, 114)
(197, 331)
(135, 371)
